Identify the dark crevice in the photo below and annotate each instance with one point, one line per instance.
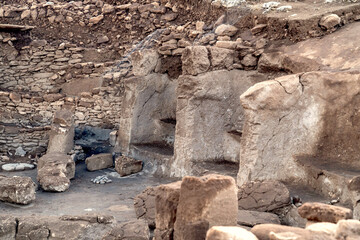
(169, 120)
(16, 227)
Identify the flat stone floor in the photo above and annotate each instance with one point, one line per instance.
(83, 196)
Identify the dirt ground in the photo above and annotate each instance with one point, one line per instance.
(83, 196)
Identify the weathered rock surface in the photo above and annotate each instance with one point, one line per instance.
(329, 22)
(205, 202)
(99, 161)
(166, 203)
(79, 227)
(148, 114)
(320, 212)
(19, 190)
(209, 119)
(273, 231)
(55, 171)
(61, 136)
(234, 233)
(137, 230)
(226, 30)
(294, 128)
(126, 166)
(144, 205)
(195, 60)
(348, 229)
(8, 228)
(263, 196)
(309, 55)
(252, 218)
(144, 62)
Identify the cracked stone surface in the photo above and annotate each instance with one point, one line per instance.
(312, 115)
(209, 119)
(148, 112)
(263, 196)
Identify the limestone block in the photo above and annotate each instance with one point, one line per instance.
(320, 212)
(147, 114)
(55, 171)
(226, 30)
(144, 62)
(348, 229)
(19, 190)
(209, 118)
(252, 218)
(263, 196)
(226, 233)
(127, 166)
(61, 136)
(166, 202)
(99, 161)
(205, 202)
(195, 60)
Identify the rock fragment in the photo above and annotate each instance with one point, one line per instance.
(55, 171)
(329, 22)
(99, 161)
(233, 233)
(19, 190)
(126, 166)
(205, 202)
(166, 202)
(320, 212)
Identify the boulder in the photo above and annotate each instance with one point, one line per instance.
(126, 166)
(329, 22)
(144, 62)
(137, 230)
(166, 202)
(252, 218)
(61, 136)
(226, 233)
(205, 202)
(99, 161)
(320, 212)
(226, 30)
(55, 171)
(195, 60)
(19, 190)
(144, 205)
(211, 114)
(263, 196)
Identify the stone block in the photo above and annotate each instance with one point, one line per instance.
(320, 212)
(195, 60)
(205, 202)
(55, 171)
(166, 202)
(263, 196)
(126, 166)
(18, 190)
(226, 233)
(144, 205)
(99, 161)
